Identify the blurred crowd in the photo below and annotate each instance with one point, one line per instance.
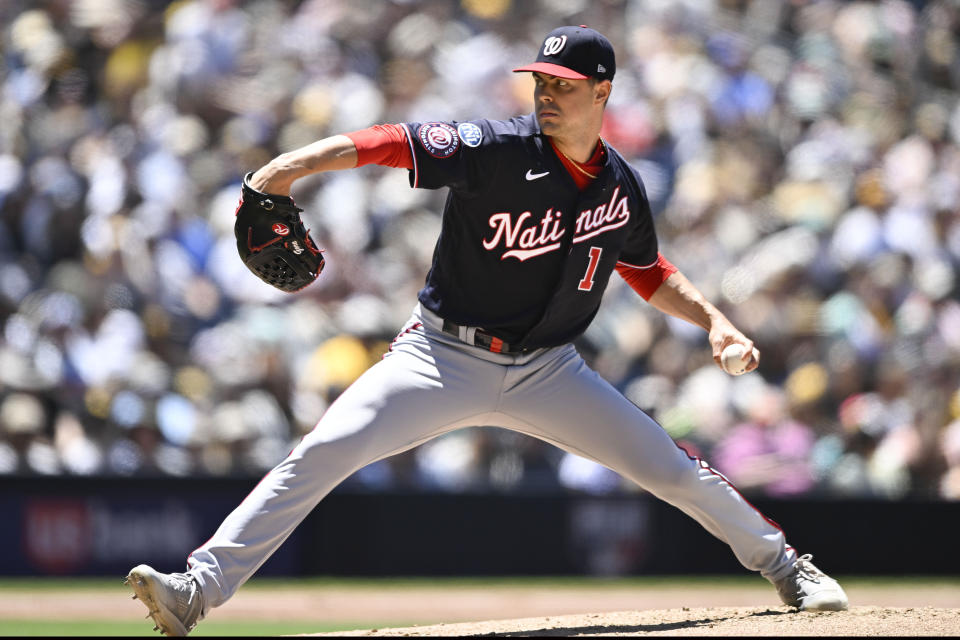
(802, 159)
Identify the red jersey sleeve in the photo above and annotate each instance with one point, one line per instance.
(383, 144)
(646, 279)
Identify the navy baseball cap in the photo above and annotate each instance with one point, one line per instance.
(575, 53)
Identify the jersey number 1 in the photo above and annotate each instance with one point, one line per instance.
(587, 283)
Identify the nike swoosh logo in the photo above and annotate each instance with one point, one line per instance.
(534, 176)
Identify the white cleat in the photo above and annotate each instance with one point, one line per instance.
(809, 589)
(173, 599)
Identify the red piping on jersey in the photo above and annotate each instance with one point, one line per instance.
(413, 327)
(647, 279)
(637, 266)
(704, 465)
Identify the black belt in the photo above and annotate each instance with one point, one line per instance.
(483, 339)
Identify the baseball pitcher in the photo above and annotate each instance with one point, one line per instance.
(540, 213)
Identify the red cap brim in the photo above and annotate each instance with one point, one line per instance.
(553, 70)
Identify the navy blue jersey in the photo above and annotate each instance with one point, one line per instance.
(522, 252)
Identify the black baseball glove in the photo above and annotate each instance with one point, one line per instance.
(273, 242)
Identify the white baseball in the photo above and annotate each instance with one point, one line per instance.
(735, 359)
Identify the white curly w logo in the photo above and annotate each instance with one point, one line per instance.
(554, 45)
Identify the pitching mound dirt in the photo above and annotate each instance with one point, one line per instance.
(713, 621)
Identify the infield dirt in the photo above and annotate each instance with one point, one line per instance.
(703, 608)
(711, 621)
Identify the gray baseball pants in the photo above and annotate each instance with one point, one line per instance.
(430, 383)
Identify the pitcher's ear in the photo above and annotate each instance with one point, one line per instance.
(603, 90)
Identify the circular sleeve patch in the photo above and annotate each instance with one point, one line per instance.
(470, 133)
(439, 139)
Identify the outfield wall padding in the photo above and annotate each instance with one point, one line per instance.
(104, 526)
